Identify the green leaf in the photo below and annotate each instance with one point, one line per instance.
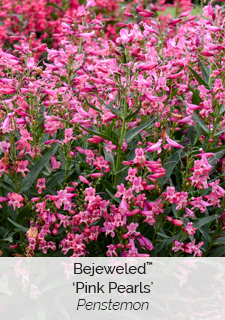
(133, 114)
(108, 185)
(218, 133)
(205, 72)
(36, 169)
(43, 99)
(50, 4)
(222, 109)
(134, 132)
(158, 248)
(196, 99)
(6, 186)
(219, 252)
(23, 214)
(112, 196)
(21, 228)
(215, 150)
(54, 180)
(108, 131)
(109, 106)
(93, 107)
(201, 124)
(204, 234)
(201, 222)
(198, 78)
(191, 135)
(220, 241)
(62, 159)
(170, 165)
(174, 92)
(215, 159)
(96, 133)
(12, 212)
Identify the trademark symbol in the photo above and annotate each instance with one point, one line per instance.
(149, 263)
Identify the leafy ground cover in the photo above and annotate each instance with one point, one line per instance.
(112, 129)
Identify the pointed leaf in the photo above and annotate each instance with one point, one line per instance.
(133, 113)
(196, 97)
(134, 132)
(201, 222)
(205, 72)
(108, 131)
(215, 159)
(36, 169)
(23, 214)
(198, 78)
(93, 107)
(215, 150)
(219, 252)
(21, 228)
(96, 133)
(201, 124)
(222, 109)
(54, 180)
(109, 106)
(219, 133)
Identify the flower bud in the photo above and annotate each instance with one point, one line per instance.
(177, 222)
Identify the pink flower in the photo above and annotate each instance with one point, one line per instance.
(90, 3)
(68, 135)
(5, 146)
(178, 246)
(145, 242)
(124, 35)
(25, 135)
(131, 230)
(177, 222)
(34, 292)
(41, 185)
(110, 227)
(192, 248)
(96, 175)
(189, 229)
(140, 157)
(55, 164)
(22, 167)
(84, 180)
(90, 156)
(121, 190)
(111, 251)
(124, 145)
(198, 203)
(131, 174)
(95, 139)
(155, 147)
(189, 213)
(15, 199)
(109, 147)
(3, 199)
(100, 163)
(30, 63)
(173, 143)
(136, 184)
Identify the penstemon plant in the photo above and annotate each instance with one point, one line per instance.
(112, 139)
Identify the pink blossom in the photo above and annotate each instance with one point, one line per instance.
(15, 199)
(41, 185)
(189, 229)
(173, 143)
(178, 246)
